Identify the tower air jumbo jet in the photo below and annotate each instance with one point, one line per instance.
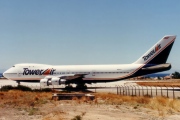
(154, 60)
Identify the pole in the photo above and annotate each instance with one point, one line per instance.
(120, 90)
(151, 91)
(167, 91)
(132, 90)
(139, 91)
(147, 90)
(117, 90)
(173, 93)
(128, 90)
(156, 90)
(135, 90)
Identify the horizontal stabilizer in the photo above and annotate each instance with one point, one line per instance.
(158, 67)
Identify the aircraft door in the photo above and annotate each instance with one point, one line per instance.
(19, 74)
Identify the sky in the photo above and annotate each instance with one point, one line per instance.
(73, 32)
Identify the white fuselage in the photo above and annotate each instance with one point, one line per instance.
(91, 72)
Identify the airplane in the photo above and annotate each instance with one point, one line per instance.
(153, 61)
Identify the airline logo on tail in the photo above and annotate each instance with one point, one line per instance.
(38, 71)
(157, 48)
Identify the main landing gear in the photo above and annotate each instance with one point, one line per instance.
(79, 86)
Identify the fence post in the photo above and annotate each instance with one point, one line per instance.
(132, 90)
(151, 91)
(161, 92)
(147, 90)
(139, 90)
(167, 91)
(142, 91)
(117, 90)
(126, 90)
(120, 90)
(173, 92)
(95, 88)
(123, 91)
(156, 90)
(135, 90)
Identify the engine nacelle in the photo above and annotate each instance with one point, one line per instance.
(58, 81)
(45, 82)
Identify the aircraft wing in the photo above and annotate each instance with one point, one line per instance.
(67, 76)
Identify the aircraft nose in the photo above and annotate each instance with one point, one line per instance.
(5, 74)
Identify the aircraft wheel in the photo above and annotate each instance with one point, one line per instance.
(81, 86)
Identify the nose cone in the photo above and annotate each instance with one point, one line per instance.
(10, 74)
(5, 74)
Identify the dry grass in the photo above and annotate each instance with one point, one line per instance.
(162, 104)
(32, 101)
(160, 84)
(114, 99)
(15, 98)
(55, 115)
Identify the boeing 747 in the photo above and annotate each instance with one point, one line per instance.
(154, 60)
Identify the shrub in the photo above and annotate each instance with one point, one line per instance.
(36, 90)
(78, 117)
(19, 87)
(46, 90)
(7, 88)
(23, 88)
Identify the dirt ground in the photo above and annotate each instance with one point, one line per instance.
(71, 109)
(17, 105)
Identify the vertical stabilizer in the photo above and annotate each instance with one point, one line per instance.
(159, 53)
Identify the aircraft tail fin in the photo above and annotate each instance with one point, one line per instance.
(159, 53)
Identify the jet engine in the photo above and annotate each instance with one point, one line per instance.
(53, 81)
(45, 82)
(58, 81)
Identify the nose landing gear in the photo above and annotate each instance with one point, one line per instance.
(18, 82)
